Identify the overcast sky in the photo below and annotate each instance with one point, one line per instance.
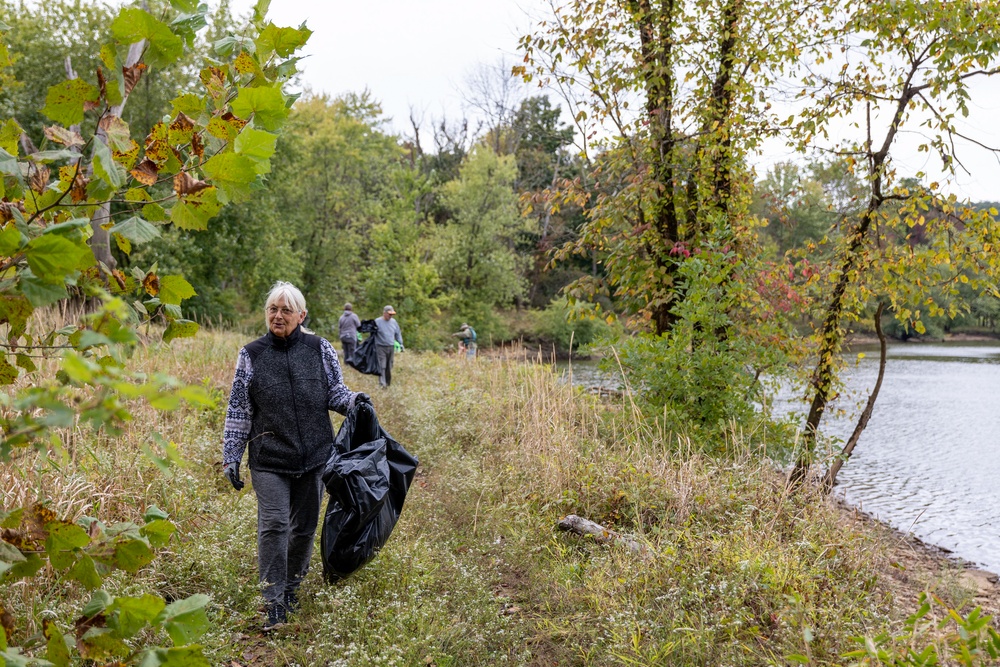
(419, 54)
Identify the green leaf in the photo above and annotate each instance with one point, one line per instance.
(99, 601)
(38, 292)
(117, 132)
(232, 174)
(105, 167)
(133, 25)
(25, 362)
(65, 101)
(85, 571)
(8, 372)
(28, 568)
(183, 656)
(136, 229)
(266, 105)
(154, 513)
(11, 519)
(195, 210)
(186, 6)
(10, 240)
(9, 555)
(185, 620)
(132, 554)
(10, 136)
(133, 614)
(225, 46)
(57, 646)
(188, 104)
(180, 329)
(102, 643)
(258, 145)
(174, 289)
(52, 257)
(158, 532)
(62, 542)
(260, 11)
(283, 41)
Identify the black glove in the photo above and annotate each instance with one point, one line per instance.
(362, 397)
(232, 473)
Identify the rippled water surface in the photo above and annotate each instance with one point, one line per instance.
(929, 461)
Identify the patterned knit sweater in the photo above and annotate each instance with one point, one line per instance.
(282, 391)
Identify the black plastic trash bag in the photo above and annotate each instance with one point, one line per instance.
(365, 357)
(367, 475)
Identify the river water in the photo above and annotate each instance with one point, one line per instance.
(929, 460)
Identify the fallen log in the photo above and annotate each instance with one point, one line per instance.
(580, 526)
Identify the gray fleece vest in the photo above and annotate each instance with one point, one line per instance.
(291, 431)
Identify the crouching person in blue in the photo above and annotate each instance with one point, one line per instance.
(285, 384)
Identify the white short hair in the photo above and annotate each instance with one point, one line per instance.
(289, 292)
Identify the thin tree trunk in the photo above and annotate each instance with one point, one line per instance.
(100, 242)
(845, 454)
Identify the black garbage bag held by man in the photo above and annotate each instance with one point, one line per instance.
(367, 475)
(365, 357)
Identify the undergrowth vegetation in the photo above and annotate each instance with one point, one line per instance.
(734, 570)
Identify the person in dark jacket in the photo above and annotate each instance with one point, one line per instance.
(347, 329)
(284, 386)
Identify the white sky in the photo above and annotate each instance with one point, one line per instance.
(419, 54)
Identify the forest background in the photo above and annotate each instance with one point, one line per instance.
(638, 227)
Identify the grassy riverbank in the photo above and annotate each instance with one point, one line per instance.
(737, 572)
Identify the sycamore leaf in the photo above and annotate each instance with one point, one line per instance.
(10, 135)
(131, 554)
(174, 289)
(246, 64)
(232, 174)
(131, 76)
(105, 167)
(282, 41)
(145, 172)
(181, 129)
(136, 230)
(256, 143)
(260, 10)
(10, 240)
(179, 329)
(266, 105)
(38, 292)
(195, 210)
(65, 101)
(117, 132)
(133, 25)
(52, 257)
(61, 135)
(185, 184)
(85, 571)
(188, 104)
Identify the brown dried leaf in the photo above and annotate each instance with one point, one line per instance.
(145, 172)
(102, 85)
(38, 176)
(159, 152)
(79, 191)
(181, 130)
(61, 135)
(197, 147)
(238, 123)
(151, 283)
(132, 75)
(7, 210)
(185, 184)
(6, 621)
(90, 105)
(120, 279)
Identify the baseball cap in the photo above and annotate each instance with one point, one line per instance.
(389, 309)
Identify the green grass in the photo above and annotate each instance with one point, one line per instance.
(737, 572)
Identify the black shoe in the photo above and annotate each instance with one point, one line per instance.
(292, 601)
(276, 617)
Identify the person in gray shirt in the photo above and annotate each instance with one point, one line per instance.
(387, 339)
(347, 328)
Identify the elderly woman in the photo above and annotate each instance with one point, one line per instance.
(285, 383)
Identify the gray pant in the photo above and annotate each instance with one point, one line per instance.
(287, 516)
(349, 347)
(385, 356)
